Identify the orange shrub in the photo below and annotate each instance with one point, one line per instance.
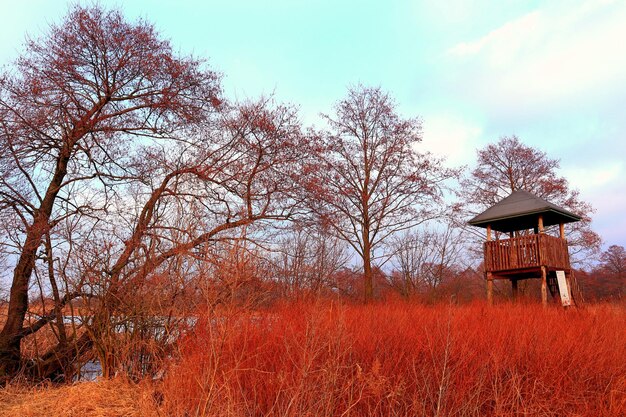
(326, 359)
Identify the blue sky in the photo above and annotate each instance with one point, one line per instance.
(553, 73)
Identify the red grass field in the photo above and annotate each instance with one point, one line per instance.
(387, 359)
(399, 359)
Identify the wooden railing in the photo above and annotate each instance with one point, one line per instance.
(526, 252)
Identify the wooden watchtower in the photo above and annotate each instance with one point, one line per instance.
(528, 252)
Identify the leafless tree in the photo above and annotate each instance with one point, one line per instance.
(424, 258)
(69, 111)
(239, 172)
(370, 181)
(613, 260)
(308, 260)
(120, 163)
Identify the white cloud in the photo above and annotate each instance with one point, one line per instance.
(452, 137)
(553, 55)
(502, 44)
(589, 179)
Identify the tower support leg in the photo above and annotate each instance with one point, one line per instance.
(544, 287)
(489, 288)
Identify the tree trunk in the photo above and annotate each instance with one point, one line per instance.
(367, 268)
(12, 332)
(11, 335)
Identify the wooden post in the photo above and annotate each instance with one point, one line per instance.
(540, 225)
(544, 287)
(514, 289)
(562, 230)
(489, 274)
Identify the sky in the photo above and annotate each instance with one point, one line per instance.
(553, 72)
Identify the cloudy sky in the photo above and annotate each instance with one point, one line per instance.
(552, 72)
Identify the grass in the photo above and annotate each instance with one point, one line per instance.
(105, 398)
(404, 359)
(388, 359)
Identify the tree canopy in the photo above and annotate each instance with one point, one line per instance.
(372, 181)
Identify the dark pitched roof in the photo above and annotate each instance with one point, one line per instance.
(520, 211)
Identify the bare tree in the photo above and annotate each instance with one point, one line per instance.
(120, 165)
(239, 171)
(606, 281)
(424, 258)
(613, 260)
(370, 181)
(308, 261)
(68, 113)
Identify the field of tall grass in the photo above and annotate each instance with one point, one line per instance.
(399, 358)
(384, 359)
